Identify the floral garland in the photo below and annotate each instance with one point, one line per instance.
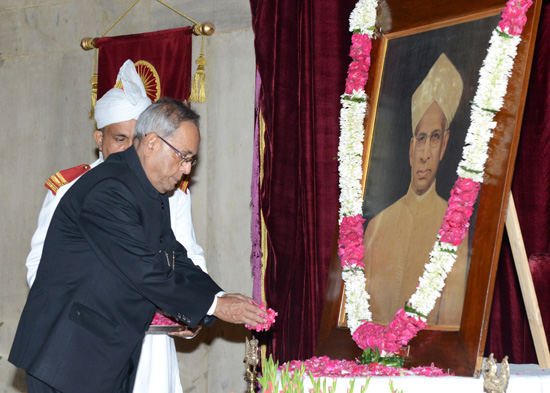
(350, 157)
(489, 98)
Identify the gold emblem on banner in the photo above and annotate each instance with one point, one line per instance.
(150, 78)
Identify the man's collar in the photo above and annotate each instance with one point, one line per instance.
(130, 157)
(421, 197)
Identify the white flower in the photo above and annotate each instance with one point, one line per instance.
(350, 153)
(432, 281)
(489, 98)
(357, 298)
(495, 71)
(363, 17)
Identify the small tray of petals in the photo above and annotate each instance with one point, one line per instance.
(162, 324)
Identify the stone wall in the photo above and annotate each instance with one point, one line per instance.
(44, 107)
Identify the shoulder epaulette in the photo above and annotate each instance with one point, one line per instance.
(61, 178)
(184, 184)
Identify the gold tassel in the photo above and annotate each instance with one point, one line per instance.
(198, 89)
(198, 92)
(93, 81)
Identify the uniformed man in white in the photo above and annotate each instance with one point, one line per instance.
(116, 114)
(398, 240)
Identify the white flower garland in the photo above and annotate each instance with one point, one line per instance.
(350, 154)
(350, 157)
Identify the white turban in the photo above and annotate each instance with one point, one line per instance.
(122, 104)
(443, 85)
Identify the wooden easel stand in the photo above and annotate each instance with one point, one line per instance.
(526, 283)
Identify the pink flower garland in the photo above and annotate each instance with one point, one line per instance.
(350, 242)
(389, 338)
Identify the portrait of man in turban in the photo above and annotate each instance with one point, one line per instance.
(399, 239)
(421, 119)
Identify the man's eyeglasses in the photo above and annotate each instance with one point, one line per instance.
(184, 160)
(435, 140)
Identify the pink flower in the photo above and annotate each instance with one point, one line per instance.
(360, 48)
(461, 207)
(354, 255)
(390, 338)
(463, 198)
(452, 236)
(353, 223)
(269, 317)
(368, 335)
(466, 184)
(350, 242)
(160, 319)
(458, 216)
(469, 197)
(358, 69)
(350, 237)
(356, 83)
(513, 16)
(464, 192)
(358, 73)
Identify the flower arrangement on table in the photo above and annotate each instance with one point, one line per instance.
(318, 369)
(379, 342)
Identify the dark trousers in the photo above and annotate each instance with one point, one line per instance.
(37, 386)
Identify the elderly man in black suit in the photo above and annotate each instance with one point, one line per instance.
(110, 259)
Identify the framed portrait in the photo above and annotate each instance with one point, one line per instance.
(411, 153)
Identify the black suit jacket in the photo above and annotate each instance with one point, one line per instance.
(109, 259)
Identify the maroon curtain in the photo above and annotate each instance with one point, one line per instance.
(301, 55)
(167, 51)
(509, 332)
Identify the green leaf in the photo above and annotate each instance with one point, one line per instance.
(364, 388)
(353, 99)
(503, 34)
(410, 309)
(369, 356)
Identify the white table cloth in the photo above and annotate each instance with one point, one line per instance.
(524, 378)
